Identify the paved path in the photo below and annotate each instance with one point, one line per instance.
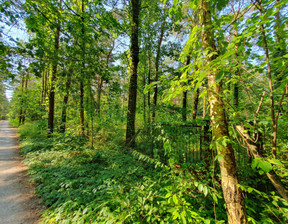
(17, 205)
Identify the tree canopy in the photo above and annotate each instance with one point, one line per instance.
(191, 90)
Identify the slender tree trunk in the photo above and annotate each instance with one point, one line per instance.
(233, 195)
(255, 149)
(131, 113)
(42, 87)
(92, 117)
(21, 113)
(272, 105)
(26, 89)
(82, 118)
(184, 106)
(238, 74)
(157, 60)
(204, 104)
(47, 74)
(53, 79)
(98, 97)
(195, 104)
(149, 81)
(100, 83)
(184, 98)
(144, 100)
(65, 102)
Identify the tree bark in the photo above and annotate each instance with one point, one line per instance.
(100, 83)
(53, 79)
(233, 195)
(195, 104)
(82, 127)
(134, 51)
(184, 98)
(255, 149)
(82, 118)
(21, 112)
(98, 97)
(65, 102)
(272, 109)
(157, 60)
(149, 81)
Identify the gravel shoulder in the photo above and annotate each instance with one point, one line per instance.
(18, 205)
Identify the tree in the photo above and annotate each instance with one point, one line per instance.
(134, 52)
(233, 195)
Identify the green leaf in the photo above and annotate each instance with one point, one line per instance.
(219, 157)
(220, 76)
(205, 191)
(265, 166)
(183, 214)
(200, 187)
(275, 162)
(175, 199)
(255, 163)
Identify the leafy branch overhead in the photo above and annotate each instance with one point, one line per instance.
(160, 111)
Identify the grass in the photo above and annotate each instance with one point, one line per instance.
(109, 184)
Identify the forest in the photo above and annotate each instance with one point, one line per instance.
(150, 111)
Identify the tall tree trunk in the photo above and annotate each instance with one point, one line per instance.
(195, 104)
(233, 195)
(26, 89)
(53, 79)
(82, 118)
(149, 81)
(82, 108)
(255, 149)
(157, 60)
(42, 88)
(134, 51)
(204, 103)
(21, 112)
(65, 102)
(272, 105)
(144, 100)
(184, 98)
(98, 97)
(47, 74)
(238, 74)
(100, 82)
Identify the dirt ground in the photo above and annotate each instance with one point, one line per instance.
(18, 205)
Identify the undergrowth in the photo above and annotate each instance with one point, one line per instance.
(109, 184)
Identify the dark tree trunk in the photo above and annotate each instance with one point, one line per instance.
(195, 104)
(184, 98)
(82, 108)
(184, 106)
(149, 81)
(42, 88)
(53, 79)
(98, 97)
(65, 102)
(82, 118)
(21, 112)
(134, 50)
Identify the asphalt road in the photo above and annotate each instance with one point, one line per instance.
(17, 203)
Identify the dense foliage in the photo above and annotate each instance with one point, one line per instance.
(151, 111)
